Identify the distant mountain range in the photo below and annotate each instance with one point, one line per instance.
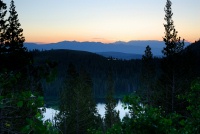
(121, 50)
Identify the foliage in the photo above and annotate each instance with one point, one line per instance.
(19, 111)
(142, 116)
(143, 119)
(192, 123)
(146, 119)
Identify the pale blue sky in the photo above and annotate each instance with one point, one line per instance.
(105, 20)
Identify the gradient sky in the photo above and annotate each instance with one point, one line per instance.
(105, 20)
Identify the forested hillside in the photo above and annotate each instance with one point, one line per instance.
(126, 73)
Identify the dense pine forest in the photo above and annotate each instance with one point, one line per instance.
(162, 94)
(125, 72)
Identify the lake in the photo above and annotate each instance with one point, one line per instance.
(50, 113)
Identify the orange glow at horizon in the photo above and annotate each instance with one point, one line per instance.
(105, 21)
(55, 40)
(48, 39)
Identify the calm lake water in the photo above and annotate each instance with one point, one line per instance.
(50, 113)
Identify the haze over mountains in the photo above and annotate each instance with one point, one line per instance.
(121, 50)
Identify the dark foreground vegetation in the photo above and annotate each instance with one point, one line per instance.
(162, 94)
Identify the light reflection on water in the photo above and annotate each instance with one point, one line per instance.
(122, 111)
(50, 113)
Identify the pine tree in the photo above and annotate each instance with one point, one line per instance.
(148, 56)
(14, 34)
(16, 57)
(19, 105)
(173, 80)
(3, 26)
(173, 44)
(77, 108)
(111, 115)
(148, 75)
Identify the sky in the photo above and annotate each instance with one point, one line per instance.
(48, 21)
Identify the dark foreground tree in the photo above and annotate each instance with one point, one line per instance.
(14, 35)
(3, 27)
(77, 107)
(111, 114)
(19, 99)
(14, 55)
(147, 76)
(19, 111)
(173, 44)
(175, 77)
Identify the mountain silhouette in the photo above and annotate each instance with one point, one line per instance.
(131, 47)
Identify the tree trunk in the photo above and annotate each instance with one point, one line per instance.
(173, 92)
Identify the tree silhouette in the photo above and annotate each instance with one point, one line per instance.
(174, 80)
(14, 56)
(111, 115)
(147, 75)
(77, 108)
(14, 34)
(148, 54)
(19, 105)
(173, 44)
(3, 26)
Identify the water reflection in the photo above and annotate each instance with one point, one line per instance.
(50, 113)
(122, 111)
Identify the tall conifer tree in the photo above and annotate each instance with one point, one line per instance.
(2, 47)
(111, 115)
(17, 57)
(77, 108)
(18, 105)
(148, 75)
(3, 26)
(173, 81)
(173, 43)
(14, 35)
